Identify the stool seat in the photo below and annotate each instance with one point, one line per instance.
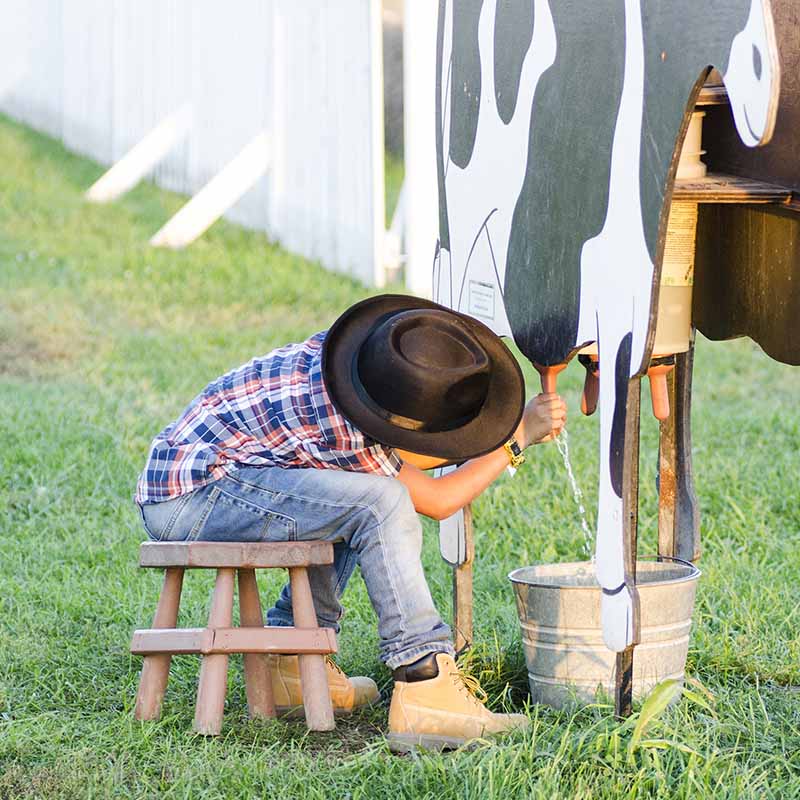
(237, 555)
(220, 638)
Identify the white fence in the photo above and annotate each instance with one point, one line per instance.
(421, 190)
(102, 74)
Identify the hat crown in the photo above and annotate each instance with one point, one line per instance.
(425, 369)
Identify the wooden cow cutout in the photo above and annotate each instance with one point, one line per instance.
(559, 126)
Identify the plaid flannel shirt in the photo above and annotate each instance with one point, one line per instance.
(272, 412)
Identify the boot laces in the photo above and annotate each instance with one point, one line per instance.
(335, 666)
(470, 685)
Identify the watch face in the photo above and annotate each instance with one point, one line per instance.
(515, 455)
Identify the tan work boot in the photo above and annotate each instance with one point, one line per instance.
(434, 707)
(347, 694)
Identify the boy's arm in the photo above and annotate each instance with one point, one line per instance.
(543, 418)
(440, 497)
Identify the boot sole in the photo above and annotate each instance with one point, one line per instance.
(410, 742)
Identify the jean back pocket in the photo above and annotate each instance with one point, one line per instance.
(228, 518)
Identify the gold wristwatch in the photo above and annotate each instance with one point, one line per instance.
(515, 454)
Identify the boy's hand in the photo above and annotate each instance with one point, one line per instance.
(542, 420)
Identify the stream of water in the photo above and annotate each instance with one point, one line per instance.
(562, 443)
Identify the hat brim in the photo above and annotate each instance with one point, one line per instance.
(494, 424)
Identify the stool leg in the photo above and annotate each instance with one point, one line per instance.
(313, 674)
(214, 667)
(155, 669)
(256, 670)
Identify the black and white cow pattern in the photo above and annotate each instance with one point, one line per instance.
(558, 128)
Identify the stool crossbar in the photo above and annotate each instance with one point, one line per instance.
(220, 638)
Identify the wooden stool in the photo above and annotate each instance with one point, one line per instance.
(216, 641)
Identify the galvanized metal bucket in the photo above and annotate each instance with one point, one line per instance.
(559, 610)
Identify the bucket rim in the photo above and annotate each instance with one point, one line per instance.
(693, 575)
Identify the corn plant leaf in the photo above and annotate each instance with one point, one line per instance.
(699, 700)
(700, 687)
(661, 696)
(666, 744)
(655, 744)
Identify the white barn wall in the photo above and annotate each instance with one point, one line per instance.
(101, 74)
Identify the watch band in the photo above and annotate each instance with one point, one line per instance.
(515, 455)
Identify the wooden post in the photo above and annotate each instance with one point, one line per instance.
(678, 512)
(313, 673)
(462, 589)
(258, 683)
(214, 668)
(623, 689)
(155, 669)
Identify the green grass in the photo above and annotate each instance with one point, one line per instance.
(103, 340)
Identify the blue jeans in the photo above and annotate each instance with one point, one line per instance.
(369, 518)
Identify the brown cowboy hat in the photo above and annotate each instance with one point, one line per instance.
(412, 374)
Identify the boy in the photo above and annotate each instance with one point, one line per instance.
(328, 439)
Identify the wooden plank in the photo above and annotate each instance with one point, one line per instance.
(326, 181)
(678, 509)
(623, 687)
(213, 682)
(275, 640)
(230, 64)
(419, 147)
(713, 95)
(721, 188)
(217, 197)
(175, 641)
(257, 680)
(155, 670)
(31, 56)
(313, 672)
(746, 277)
(244, 555)
(374, 42)
(207, 641)
(462, 589)
(793, 205)
(86, 75)
(142, 158)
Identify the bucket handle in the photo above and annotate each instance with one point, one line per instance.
(659, 558)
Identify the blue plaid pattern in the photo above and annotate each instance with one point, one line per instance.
(273, 411)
